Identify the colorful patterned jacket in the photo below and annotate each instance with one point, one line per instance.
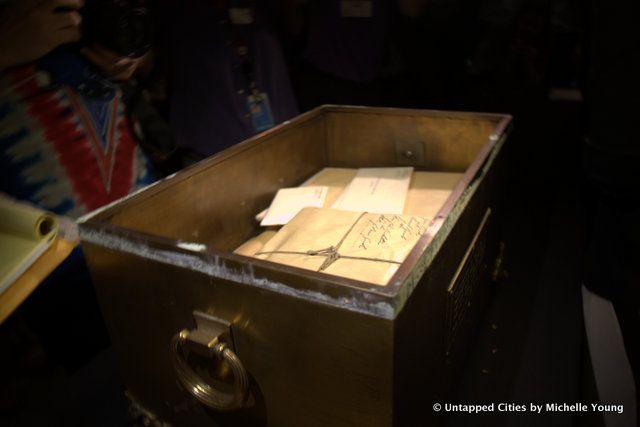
(67, 145)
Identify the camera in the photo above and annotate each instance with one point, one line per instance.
(124, 26)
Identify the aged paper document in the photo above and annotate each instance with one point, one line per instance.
(427, 193)
(357, 245)
(255, 244)
(289, 201)
(376, 190)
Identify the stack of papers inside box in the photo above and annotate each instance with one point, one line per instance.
(354, 223)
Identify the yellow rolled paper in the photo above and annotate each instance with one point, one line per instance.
(26, 222)
(25, 233)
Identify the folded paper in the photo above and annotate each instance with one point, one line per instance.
(356, 245)
(289, 201)
(376, 190)
(427, 193)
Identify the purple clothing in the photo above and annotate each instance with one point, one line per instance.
(209, 110)
(348, 47)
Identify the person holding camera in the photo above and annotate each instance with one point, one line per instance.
(62, 104)
(31, 29)
(67, 147)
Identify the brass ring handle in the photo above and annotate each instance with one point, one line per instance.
(204, 392)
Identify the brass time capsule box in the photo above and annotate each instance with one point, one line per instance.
(206, 336)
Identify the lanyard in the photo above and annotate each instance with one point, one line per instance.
(239, 39)
(239, 31)
(241, 50)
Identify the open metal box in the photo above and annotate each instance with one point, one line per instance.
(280, 346)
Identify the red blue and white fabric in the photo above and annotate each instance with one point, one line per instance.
(65, 149)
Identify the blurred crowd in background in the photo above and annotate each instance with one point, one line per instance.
(493, 55)
(210, 73)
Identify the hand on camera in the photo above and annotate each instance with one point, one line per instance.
(113, 65)
(33, 28)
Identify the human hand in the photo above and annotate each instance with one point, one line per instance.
(33, 28)
(113, 65)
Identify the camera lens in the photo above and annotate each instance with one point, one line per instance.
(124, 26)
(133, 33)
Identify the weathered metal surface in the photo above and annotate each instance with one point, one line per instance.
(319, 349)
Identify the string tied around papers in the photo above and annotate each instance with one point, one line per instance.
(331, 253)
(371, 246)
